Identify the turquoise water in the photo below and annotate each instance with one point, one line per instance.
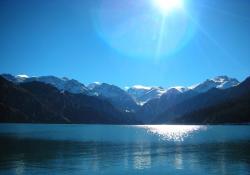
(122, 149)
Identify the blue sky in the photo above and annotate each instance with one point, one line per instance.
(107, 41)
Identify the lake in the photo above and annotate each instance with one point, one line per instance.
(124, 149)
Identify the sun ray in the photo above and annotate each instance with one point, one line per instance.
(160, 36)
(213, 40)
(205, 33)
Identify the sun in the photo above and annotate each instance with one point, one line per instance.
(168, 6)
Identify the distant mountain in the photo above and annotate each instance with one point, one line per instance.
(175, 95)
(149, 111)
(227, 99)
(220, 82)
(142, 94)
(117, 96)
(63, 84)
(37, 102)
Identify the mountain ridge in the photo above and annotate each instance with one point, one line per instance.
(139, 93)
(63, 100)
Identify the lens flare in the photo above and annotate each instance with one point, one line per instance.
(138, 29)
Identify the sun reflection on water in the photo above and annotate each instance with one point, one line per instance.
(173, 132)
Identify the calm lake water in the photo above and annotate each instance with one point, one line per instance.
(122, 149)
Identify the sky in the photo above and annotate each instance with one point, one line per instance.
(126, 42)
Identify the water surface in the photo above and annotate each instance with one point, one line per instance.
(124, 149)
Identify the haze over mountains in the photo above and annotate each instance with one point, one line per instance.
(66, 100)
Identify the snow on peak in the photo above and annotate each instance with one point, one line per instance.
(98, 83)
(94, 84)
(142, 94)
(221, 82)
(179, 88)
(141, 87)
(22, 76)
(221, 79)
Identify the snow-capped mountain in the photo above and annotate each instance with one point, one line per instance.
(15, 79)
(93, 85)
(39, 102)
(220, 82)
(117, 96)
(143, 94)
(63, 84)
(175, 95)
(137, 91)
(125, 100)
(21, 78)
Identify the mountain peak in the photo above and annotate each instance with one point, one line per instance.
(222, 78)
(179, 88)
(93, 85)
(143, 94)
(220, 82)
(117, 96)
(64, 84)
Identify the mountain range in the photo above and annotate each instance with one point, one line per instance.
(49, 99)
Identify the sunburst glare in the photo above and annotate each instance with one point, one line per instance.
(167, 6)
